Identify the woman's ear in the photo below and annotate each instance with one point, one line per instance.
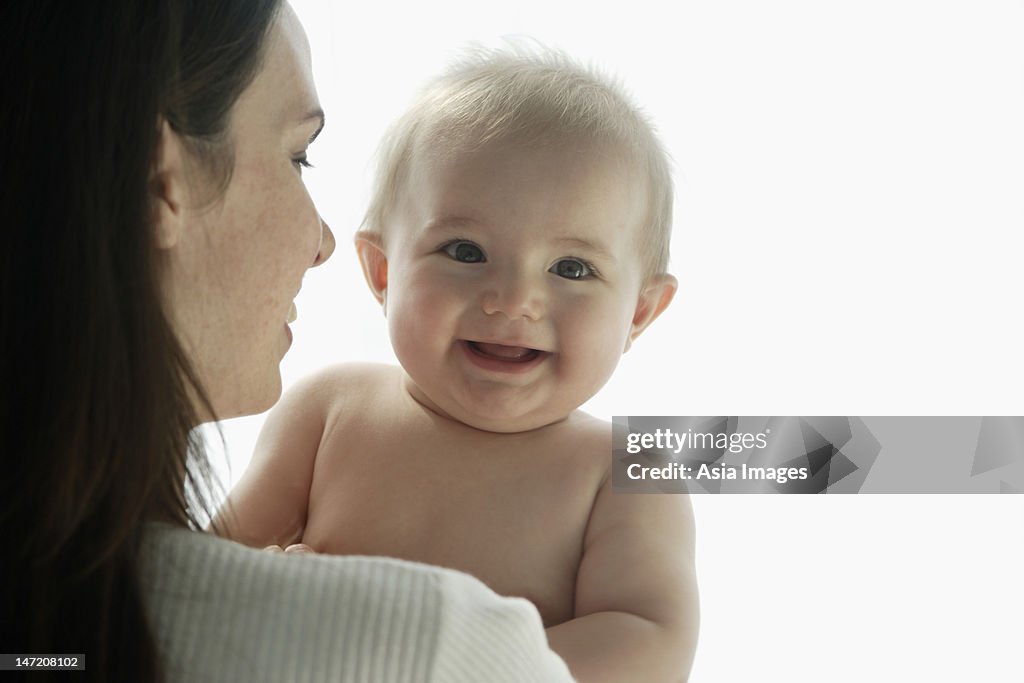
(374, 261)
(654, 298)
(167, 188)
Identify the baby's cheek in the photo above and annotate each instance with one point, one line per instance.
(587, 367)
(415, 323)
(404, 330)
(599, 345)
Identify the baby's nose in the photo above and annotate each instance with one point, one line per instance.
(516, 297)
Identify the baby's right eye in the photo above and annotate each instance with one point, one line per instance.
(464, 252)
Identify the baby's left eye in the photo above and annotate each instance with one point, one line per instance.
(571, 269)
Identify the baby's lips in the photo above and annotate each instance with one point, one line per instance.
(503, 351)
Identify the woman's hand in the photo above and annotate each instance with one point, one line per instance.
(294, 548)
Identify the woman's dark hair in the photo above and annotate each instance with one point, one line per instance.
(99, 399)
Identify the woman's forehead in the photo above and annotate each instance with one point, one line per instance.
(283, 90)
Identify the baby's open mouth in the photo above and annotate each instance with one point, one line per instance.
(508, 354)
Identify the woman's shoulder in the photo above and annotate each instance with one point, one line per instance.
(224, 611)
(170, 553)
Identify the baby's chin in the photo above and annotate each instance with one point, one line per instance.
(503, 422)
(497, 420)
(509, 426)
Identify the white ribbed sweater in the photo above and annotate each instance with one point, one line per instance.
(223, 612)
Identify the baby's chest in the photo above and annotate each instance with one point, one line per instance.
(516, 525)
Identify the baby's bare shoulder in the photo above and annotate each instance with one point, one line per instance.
(347, 375)
(579, 447)
(587, 436)
(345, 386)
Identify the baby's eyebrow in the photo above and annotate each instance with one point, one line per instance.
(450, 224)
(595, 249)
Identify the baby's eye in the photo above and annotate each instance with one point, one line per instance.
(464, 252)
(572, 269)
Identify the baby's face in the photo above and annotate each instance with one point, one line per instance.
(513, 279)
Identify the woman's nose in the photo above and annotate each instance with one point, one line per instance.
(515, 296)
(327, 243)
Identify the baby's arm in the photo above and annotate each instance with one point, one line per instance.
(636, 609)
(269, 504)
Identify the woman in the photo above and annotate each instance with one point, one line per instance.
(156, 230)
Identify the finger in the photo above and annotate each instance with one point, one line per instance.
(274, 549)
(298, 548)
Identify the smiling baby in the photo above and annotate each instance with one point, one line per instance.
(518, 243)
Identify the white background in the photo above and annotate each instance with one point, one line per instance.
(848, 241)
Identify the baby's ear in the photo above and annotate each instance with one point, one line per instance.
(654, 298)
(370, 248)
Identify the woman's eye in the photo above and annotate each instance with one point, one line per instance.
(464, 252)
(571, 269)
(301, 162)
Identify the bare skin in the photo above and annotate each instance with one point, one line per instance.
(512, 284)
(349, 463)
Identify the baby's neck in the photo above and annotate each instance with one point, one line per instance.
(420, 400)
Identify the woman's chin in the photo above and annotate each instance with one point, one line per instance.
(254, 400)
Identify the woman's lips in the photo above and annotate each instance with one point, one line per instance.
(502, 358)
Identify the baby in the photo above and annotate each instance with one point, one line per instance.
(517, 242)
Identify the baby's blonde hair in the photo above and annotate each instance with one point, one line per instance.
(532, 95)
